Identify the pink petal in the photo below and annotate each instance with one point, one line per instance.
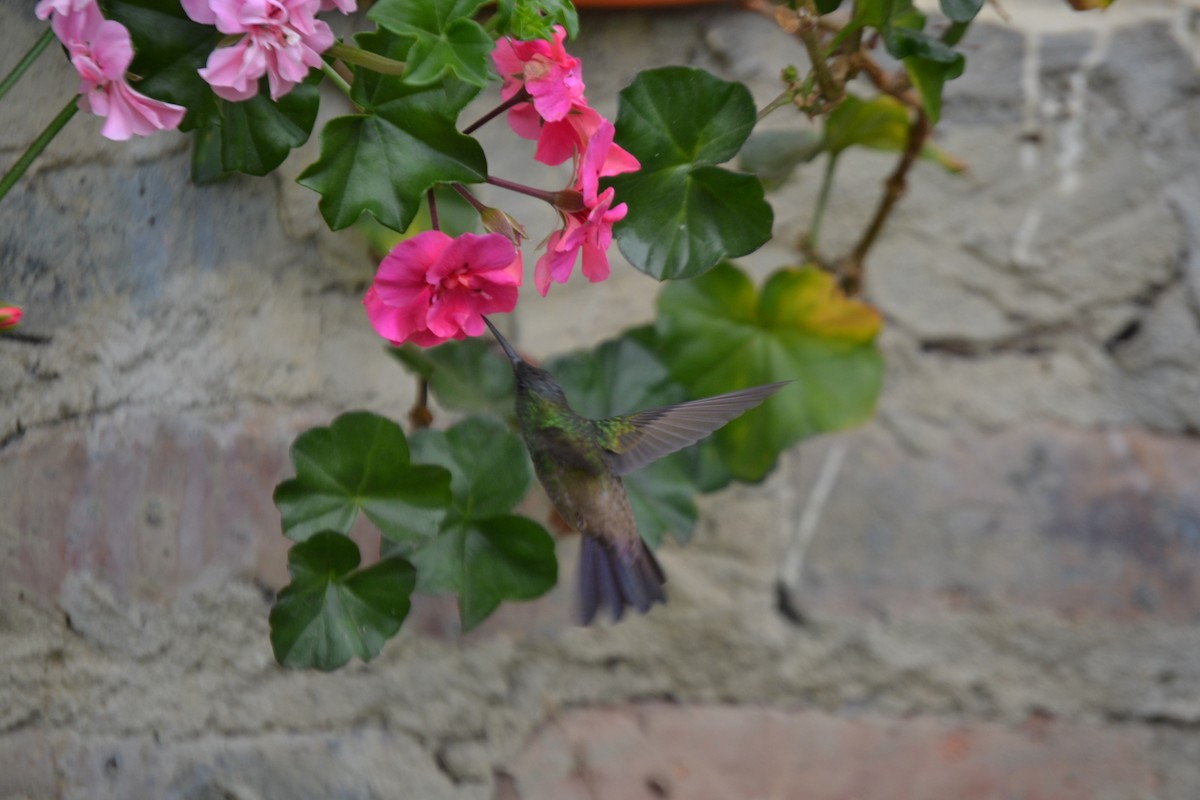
(397, 324)
(76, 28)
(595, 263)
(113, 49)
(199, 11)
(525, 121)
(411, 260)
(477, 253)
(132, 113)
(558, 142)
(233, 71)
(344, 6)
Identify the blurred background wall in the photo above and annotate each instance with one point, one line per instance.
(990, 591)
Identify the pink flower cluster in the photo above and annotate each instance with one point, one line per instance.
(101, 51)
(432, 288)
(566, 127)
(281, 39)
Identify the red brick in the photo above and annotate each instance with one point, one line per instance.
(1088, 524)
(149, 504)
(727, 753)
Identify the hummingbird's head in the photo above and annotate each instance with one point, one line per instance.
(530, 379)
(539, 383)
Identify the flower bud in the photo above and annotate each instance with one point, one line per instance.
(10, 317)
(569, 201)
(496, 221)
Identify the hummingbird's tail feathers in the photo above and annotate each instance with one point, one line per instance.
(617, 578)
(647, 436)
(508, 351)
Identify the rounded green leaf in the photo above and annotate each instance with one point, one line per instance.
(719, 334)
(465, 376)
(489, 467)
(488, 561)
(774, 155)
(256, 135)
(445, 38)
(361, 462)
(685, 213)
(382, 162)
(331, 611)
(481, 552)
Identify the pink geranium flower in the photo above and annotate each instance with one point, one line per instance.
(558, 117)
(544, 69)
(101, 51)
(432, 288)
(587, 230)
(282, 40)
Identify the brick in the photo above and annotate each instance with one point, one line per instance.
(718, 753)
(150, 505)
(1100, 525)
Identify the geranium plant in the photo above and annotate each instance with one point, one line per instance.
(242, 75)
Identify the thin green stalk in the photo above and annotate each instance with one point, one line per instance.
(336, 79)
(11, 79)
(785, 98)
(39, 144)
(814, 232)
(364, 58)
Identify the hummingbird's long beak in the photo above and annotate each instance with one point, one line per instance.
(512, 354)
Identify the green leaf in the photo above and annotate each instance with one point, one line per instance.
(487, 561)
(929, 61)
(961, 10)
(929, 77)
(535, 19)
(463, 376)
(880, 123)
(331, 611)
(361, 462)
(774, 155)
(489, 468)
(168, 49)
(482, 552)
(685, 213)
(623, 376)
(256, 135)
(382, 162)
(445, 38)
(827, 6)
(720, 334)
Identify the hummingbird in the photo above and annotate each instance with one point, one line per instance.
(580, 462)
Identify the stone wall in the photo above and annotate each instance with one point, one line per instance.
(992, 590)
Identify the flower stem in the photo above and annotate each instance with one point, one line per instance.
(465, 193)
(520, 97)
(786, 97)
(814, 231)
(336, 79)
(433, 215)
(540, 194)
(25, 63)
(39, 144)
(364, 58)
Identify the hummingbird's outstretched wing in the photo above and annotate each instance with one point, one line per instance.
(636, 440)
